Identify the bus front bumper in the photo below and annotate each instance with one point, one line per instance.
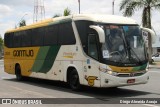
(114, 81)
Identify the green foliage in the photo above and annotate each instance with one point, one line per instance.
(128, 8)
(1, 45)
(1, 41)
(66, 12)
(56, 15)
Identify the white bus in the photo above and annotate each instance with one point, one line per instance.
(87, 49)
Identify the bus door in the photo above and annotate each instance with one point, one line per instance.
(91, 65)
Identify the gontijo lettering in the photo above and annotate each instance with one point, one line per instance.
(23, 53)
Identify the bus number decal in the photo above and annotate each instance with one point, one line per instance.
(23, 53)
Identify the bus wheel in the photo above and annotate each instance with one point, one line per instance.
(74, 80)
(19, 77)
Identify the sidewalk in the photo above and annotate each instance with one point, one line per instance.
(155, 65)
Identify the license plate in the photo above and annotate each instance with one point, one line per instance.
(130, 81)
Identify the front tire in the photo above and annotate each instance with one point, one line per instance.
(73, 80)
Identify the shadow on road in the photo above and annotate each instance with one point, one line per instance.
(86, 91)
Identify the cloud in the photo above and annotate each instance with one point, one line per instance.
(5, 26)
(17, 3)
(4, 10)
(103, 7)
(57, 6)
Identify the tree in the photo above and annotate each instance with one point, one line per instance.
(1, 40)
(128, 8)
(56, 15)
(1, 46)
(22, 23)
(66, 12)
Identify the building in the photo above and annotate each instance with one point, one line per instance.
(156, 45)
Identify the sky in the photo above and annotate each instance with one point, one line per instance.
(13, 11)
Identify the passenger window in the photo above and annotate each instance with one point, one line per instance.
(66, 35)
(8, 40)
(37, 36)
(26, 38)
(17, 39)
(51, 37)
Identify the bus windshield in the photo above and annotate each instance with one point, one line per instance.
(124, 45)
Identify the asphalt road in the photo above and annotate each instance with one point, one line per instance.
(36, 88)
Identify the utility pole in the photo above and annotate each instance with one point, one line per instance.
(39, 11)
(113, 7)
(79, 6)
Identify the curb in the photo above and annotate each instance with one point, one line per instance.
(155, 65)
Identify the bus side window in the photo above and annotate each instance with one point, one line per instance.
(66, 35)
(92, 46)
(51, 37)
(83, 29)
(8, 40)
(37, 36)
(17, 39)
(26, 38)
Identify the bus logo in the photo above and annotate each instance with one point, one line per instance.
(131, 74)
(91, 80)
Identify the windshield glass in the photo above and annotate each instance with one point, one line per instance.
(124, 45)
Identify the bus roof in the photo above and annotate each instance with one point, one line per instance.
(112, 19)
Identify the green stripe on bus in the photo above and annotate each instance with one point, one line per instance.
(143, 67)
(45, 59)
(40, 59)
(50, 58)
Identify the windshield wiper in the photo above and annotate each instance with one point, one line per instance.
(129, 51)
(139, 61)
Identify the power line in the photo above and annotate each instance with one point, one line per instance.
(39, 10)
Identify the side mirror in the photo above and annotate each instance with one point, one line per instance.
(153, 35)
(100, 32)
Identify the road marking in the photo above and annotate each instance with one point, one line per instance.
(31, 92)
(5, 78)
(154, 71)
(149, 105)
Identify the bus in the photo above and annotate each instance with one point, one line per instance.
(86, 49)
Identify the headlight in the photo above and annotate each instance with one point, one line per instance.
(105, 70)
(112, 73)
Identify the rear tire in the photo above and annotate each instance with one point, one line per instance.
(19, 76)
(73, 80)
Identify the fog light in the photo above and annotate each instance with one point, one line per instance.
(106, 80)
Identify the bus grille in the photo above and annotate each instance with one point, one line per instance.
(130, 74)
